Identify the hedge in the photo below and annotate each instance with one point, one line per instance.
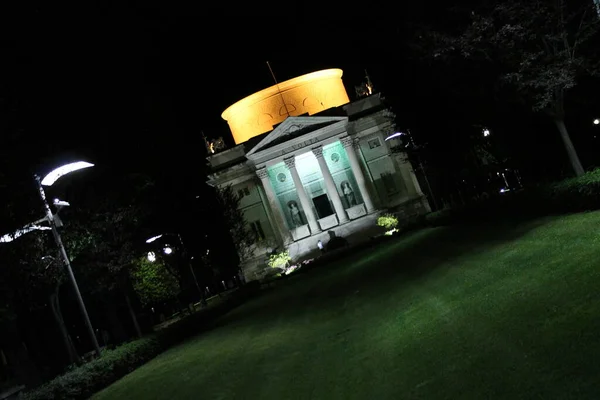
(84, 381)
(571, 195)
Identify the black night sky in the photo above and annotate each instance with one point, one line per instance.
(133, 84)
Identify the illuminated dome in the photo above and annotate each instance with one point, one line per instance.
(310, 93)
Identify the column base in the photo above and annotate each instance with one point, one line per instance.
(300, 232)
(328, 222)
(356, 211)
(314, 229)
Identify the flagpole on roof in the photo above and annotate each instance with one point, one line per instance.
(278, 90)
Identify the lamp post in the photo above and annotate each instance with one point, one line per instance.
(48, 181)
(168, 250)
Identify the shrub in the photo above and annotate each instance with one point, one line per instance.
(567, 196)
(279, 260)
(574, 194)
(82, 382)
(388, 221)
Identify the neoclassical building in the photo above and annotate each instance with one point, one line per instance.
(308, 163)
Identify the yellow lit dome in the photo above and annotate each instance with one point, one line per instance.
(310, 93)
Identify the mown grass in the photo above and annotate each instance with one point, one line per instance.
(471, 312)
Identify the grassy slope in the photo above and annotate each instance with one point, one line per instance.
(500, 312)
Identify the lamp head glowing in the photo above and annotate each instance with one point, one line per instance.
(168, 250)
(65, 169)
(486, 132)
(61, 203)
(20, 232)
(153, 238)
(597, 121)
(394, 135)
(151, 256)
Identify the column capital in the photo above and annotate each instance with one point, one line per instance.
(318, 151)
(290, 162)
(349, 141)
(262, 173)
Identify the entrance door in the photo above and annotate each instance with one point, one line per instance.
(323, 206)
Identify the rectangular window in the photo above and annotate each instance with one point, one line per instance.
(373, 143)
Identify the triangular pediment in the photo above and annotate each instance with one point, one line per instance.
(292, 128)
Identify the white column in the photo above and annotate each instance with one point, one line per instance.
(290, 163)
(349, 144)
(280, 224)
(268, 211)
(330, 185)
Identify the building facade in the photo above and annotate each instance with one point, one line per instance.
(312, 169)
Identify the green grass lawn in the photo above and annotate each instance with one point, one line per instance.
(447, 313)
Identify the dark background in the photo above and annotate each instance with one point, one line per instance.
(131, 86)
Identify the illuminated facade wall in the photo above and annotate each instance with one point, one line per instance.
(254, 210)
(366, 174)
(312, 180)
(310, 93)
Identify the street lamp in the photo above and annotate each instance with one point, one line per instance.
(597, 121)
(34, 226)
(169, 250)
(49, 180)
(151, 256)
(394, 135)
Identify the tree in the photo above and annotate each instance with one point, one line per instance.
(32, 265)
(105, 223)
(244, 239)
(34, 269)
(152, 282)
(540, 49)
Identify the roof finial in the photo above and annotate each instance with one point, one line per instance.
(366, 88)
(369, 84)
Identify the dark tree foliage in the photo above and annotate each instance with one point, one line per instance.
(107, 220)
(242, 236)
(539, 48)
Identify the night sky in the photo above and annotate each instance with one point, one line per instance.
(133, 84)
(113, 79)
